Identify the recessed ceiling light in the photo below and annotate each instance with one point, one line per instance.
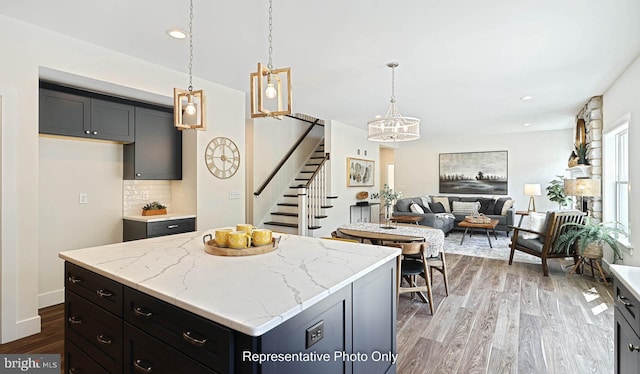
(178, 34)
(526, 124)
(526, 98)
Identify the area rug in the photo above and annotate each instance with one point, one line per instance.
(478, 246)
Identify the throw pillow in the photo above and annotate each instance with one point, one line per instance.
(507, 205)
(536, 223)
(497, 208)
(437, 208)
(465, 208)
(486, 205)
(402, 205)
(415, 208)
(425, 201)
(444, 201)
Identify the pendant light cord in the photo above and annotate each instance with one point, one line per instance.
(190, 45)
(270, 65)
(393, 84)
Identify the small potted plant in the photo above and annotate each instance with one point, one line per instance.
(154, 209)
(581, 152)
(555, 192)
(588, 238)
(388, 197)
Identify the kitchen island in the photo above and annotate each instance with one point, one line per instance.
(311, 305)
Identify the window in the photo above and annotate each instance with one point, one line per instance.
(616, 174)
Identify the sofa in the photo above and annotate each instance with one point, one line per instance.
(438, 211)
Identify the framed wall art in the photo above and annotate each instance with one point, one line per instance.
(360, 172)
(474, 173)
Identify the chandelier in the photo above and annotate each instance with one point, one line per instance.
(393, 127)
(189, 106)
(270, 87)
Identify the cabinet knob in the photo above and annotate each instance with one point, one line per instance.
(87, 132)
(141, 366)
(95, 133)
(634, 347)
(138, 174)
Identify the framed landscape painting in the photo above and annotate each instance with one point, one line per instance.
(359, 172)
(474, 173)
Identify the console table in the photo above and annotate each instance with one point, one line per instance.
(360, 213)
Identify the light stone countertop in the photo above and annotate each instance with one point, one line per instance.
(158, 218)
(629, 276)
(250, 294)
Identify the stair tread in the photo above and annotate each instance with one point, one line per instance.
(294, 225)
(290, 195)
(292, 214)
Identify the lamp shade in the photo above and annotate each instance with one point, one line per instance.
(582, 187)
(532, 190)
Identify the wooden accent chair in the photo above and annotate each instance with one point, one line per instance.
(544, 246)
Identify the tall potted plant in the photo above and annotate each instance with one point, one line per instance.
(555, 192)
(388, 197)
(588, 238)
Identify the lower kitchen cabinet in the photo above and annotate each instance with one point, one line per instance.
(627, 330)
(135, 230)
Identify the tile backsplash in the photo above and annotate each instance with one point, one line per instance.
(135, 195)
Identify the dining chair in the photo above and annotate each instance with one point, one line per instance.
(411, 267)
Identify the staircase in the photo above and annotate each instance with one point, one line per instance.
(311, 179)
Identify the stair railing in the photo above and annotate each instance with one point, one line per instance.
(312, 198)
(286, 157)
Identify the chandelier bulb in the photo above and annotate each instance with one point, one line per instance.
(271, 91)
(190, 109)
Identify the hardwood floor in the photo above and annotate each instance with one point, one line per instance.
(496, 319)
(508, 319)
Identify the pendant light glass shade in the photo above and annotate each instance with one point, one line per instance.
(189, 106)
(393, 127)
(270, 88)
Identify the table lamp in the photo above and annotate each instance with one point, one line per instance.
(532, 190)
(582, 187)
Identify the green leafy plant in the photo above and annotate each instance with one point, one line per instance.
(153, 206)
(387, 195)
(590, 231)
(555, 192)
(581, 151)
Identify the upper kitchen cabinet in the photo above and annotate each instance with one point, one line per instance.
(156, 153)
(68, 112)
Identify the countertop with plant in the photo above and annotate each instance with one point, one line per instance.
(164, 217)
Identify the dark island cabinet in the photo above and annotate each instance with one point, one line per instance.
(156, 153)
(69, 114)
(346, 332)
(627, 330)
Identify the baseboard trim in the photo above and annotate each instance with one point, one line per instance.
(27, 327)
(51, 298)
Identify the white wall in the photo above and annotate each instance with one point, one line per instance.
(32, 48)
(66, 169)
(621, 99)
(533, 157)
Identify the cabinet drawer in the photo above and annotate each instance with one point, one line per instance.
(97, 332)
(100, 290)
(627, 359)
(145, 354)
(77, 362)
(193, 335)
(174, 226)
(628, 305)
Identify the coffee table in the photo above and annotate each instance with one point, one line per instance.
(406, 219)
(486, 226)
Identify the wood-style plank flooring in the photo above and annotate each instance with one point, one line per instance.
(496, 319)
(508, 319)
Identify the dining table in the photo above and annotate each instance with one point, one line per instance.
(402, 233)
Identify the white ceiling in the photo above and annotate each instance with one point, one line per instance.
(464, 64)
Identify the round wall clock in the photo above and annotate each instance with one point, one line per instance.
(222, 157)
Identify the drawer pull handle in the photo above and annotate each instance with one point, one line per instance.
(101, 339)
(172, 226)
(197, 342)
(141, 367)
(634, 348)
(73, 279)
(72, 371)
(104, 293)
(623, 300)
(75, 320)
(140, 312)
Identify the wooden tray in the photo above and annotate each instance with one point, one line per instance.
(211, 248)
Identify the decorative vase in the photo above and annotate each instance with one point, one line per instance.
(386, 223)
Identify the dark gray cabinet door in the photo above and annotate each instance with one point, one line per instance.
(64, 114)
(112, 121)
(156, 153)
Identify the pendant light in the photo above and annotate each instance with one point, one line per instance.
(393, 127)
(189, 106)
(270, 88)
